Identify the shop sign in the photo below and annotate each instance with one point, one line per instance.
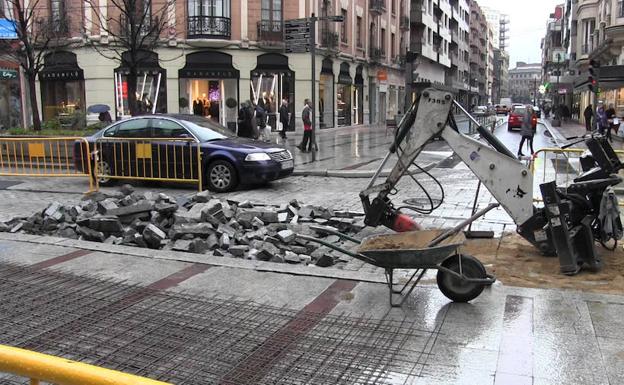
(8, 74)
(208, 74)
(60, 75)
(563, 91)
(7, 29)
(382, 75)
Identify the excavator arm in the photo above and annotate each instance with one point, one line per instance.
(567, 225)
(507, 179)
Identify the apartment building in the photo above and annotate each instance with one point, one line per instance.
(457, 76)
(478, 69)
(230, 51)
(11, 79)
(499, 24)
(430, 41)
(597, 33)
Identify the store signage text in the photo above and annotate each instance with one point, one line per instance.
(4, 74)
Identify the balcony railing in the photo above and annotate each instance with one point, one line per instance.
(399, 60)
(329, 39)
(143, 27)
(55, 26)
(377, 6)
(211, 27)
(586, 49)
(270, 31)
(404, 23)
(376, 54)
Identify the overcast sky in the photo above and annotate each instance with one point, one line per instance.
(527, 26)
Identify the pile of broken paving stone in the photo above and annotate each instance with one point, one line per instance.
(199, 224)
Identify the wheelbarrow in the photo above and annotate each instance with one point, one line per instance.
(460, 277)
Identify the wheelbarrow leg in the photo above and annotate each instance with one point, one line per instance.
(403, 297)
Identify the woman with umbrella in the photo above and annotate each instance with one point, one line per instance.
(101, 109)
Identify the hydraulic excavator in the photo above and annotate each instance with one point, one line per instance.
(570, 222)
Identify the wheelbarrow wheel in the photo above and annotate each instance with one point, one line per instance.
(455, 288)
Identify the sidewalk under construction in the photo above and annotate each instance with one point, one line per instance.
(209, 323)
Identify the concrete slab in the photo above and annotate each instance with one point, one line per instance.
(262, 287)
(28, 254)
(121, 267)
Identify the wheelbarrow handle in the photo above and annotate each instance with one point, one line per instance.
(359, 256)
(334, 232)
(461, 225)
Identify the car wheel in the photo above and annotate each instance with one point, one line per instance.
(104, 172)
(221, 176)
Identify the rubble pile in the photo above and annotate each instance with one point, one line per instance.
(200, 224)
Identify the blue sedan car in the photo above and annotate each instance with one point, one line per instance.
(125, 150)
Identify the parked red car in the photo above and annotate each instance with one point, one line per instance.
(516, 116)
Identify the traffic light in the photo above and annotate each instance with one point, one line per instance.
(592, 80)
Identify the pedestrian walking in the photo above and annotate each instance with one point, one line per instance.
(611, 119)
(306, 116)
(284, 118)
(527, 131)
(588, 114)
(601, 119)
(245, 116)
(261, 120)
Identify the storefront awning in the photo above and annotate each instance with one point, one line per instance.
(61, 66)
(344, 77)
(146, 63)
(209, 65)
(359, 79)
(270, 63)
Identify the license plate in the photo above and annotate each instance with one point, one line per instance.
(288, 164)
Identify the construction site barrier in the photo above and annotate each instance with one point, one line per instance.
(46, 157)
(559, 165)
(61, 371)
(154, 159)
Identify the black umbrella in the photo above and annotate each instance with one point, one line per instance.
(98, 108)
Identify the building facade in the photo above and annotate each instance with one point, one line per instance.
(596, 33)
(430, 42)
(457, 76)
(556, 76)
(524, 82)
(499, 24)
(478, 70)
(230, 51)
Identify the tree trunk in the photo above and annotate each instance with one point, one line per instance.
(132, 97)
(33, 101)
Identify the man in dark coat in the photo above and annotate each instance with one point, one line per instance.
(245, 115)
(284, 117)
(588, 114)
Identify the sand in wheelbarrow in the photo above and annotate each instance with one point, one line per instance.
(516, 262)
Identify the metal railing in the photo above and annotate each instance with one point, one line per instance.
(377, 6)
(167, 160)
(209, 27)
(47, 157)
(559, 165)
(40, 367)
(270, 31)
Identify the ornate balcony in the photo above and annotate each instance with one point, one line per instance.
(377, 55)
(208, 27)
(329, 39)
(377, 6)
(404, 23)
(270, 33)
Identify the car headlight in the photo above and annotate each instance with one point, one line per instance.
(258, 156)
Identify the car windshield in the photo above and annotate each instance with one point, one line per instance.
(205, 129)
(520, 110)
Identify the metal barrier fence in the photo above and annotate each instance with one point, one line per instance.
(559, 165)
(154, 159)
(46, 157)
(61, 371)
